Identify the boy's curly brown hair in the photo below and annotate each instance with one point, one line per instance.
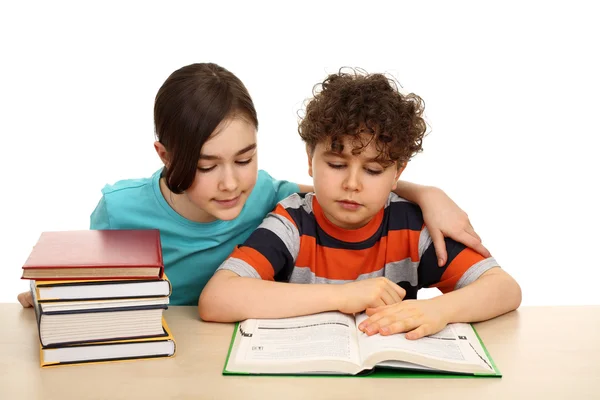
(355, 103)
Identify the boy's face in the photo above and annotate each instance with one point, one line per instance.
(351, 189)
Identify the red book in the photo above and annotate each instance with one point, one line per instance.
(96, 254)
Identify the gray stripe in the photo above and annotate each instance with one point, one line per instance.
(285, 230)
(240, 267)
(305, 275)
(475, 272)
(424, 241)
(403, 270)
(295, 201)
(394, 198)
(398, 271)
(292, 201)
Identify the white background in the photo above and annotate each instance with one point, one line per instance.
(511, 92)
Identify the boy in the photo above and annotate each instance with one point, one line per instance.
(351, 232)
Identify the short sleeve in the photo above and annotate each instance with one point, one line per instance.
(270, 251)
(99, 218)
(463, 267)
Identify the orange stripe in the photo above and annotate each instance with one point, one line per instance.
(403, 244)
(461, 263)
(256, 261)
(279, 210)
(344, 264)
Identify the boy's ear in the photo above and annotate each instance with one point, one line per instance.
(398, 173)
(162, 153)
(309, 156)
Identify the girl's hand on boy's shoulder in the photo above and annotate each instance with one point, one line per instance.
(418, 318)
(25, 299)
(444, 218)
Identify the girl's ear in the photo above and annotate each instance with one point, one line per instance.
(162, 153)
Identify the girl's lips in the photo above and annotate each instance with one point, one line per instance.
(228, 203)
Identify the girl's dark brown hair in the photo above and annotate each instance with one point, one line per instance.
(188, 107)
(354, 103)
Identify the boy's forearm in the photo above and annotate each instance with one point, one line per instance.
(493, 294)
(234, 298)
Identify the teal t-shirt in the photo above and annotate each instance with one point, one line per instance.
(192, 251)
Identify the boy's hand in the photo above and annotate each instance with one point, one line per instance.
(375, 292)
(416, 317)
(444, 218)
(25, 299)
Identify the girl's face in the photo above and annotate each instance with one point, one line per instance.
(225, 176)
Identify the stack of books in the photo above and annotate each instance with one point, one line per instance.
(99, 296)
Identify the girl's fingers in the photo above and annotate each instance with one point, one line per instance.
(440, 246)
(472, 232)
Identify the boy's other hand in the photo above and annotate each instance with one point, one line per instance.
(25, 299)
(418, 318)
(375, 292)
(444, 218)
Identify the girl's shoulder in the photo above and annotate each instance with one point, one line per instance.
(126, 200)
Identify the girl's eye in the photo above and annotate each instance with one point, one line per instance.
(374, 171)
(244, 162)
(206, 169)
(336, 166)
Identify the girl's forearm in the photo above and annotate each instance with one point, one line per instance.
(411, 191)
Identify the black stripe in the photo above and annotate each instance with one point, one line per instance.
(406, 216)
(267, 243)
(304, 221)
(429, 271)
(411, 291)
(307, 226)
(325, 240)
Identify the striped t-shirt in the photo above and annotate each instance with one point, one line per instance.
(297, 243)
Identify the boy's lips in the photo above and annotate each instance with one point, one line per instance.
(349, 204)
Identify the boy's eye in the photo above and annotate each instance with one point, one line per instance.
(336, 166)
(206, 169)
(374, 171)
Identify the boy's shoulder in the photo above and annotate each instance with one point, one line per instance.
(396, 202)
(298, 201)
(403, 214)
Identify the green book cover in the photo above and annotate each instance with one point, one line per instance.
(378, 372)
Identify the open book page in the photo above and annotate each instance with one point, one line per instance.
(322, 343)
(455, 348)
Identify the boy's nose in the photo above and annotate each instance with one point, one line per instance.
(352, 181)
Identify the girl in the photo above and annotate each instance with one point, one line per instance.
(210, 196)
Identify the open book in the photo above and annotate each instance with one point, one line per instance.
(330, 343)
